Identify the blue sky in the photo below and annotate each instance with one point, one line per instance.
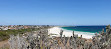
(55, 12)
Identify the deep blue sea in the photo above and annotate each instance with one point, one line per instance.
(91, 29)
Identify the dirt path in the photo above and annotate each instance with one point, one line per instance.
(3, 43)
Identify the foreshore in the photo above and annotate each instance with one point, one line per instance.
(55, 31)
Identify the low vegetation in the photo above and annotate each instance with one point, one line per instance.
(4, 34)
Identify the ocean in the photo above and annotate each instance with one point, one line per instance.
(86, 31)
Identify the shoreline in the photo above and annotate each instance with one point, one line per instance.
(54, 32)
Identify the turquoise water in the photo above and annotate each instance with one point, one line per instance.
(91, 29)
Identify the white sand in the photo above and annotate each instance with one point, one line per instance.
(55, 31)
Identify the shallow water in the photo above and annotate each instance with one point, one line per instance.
(86, 31)
(91, 29)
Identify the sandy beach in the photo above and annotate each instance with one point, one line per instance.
(56, 30)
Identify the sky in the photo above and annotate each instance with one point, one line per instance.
(55, 12)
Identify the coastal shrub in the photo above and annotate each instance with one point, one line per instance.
(4, 34)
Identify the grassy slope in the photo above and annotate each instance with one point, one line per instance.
(4, 34)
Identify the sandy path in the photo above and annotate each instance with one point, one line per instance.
(3, 42)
